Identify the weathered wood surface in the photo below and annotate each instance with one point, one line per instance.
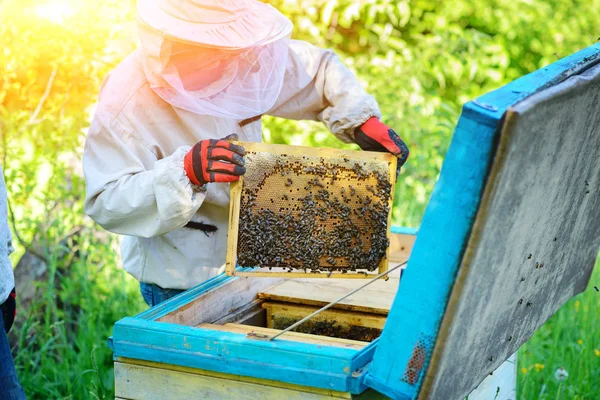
(139, 380)
(535, 239)
(291, 336)
(376, 298)
(248, 314)
(219, 301)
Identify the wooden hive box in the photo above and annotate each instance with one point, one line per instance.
(509, 235)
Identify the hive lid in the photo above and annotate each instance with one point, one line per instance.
(509, 235)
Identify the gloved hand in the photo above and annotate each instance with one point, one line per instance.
(374, 135)
(9, 310)
(215, 161)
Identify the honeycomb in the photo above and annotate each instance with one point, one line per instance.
(308, 212)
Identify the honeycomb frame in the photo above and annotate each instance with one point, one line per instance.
(293, 181)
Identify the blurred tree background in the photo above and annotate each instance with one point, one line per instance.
(421, 59)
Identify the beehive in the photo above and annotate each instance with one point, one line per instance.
(310, 212)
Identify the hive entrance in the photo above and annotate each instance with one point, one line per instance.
(313, 211)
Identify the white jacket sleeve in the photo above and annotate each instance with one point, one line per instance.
(318, 86)
(7, 279)
(129, 191)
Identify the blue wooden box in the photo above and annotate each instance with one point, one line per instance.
(511, 232)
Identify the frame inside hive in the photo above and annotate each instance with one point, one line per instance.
(311, 212)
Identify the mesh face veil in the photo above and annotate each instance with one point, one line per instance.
(223, 83)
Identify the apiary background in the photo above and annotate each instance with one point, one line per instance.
(302, 211)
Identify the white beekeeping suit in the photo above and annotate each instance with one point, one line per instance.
(204, 70)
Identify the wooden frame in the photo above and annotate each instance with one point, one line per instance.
(146, 380)
(150, 380)
(291, 336)
(235, 205)
(333, 322)
(374, 299)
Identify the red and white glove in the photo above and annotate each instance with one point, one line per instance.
(215, 161)
(374, 135)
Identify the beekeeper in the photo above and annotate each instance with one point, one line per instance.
(158, 156)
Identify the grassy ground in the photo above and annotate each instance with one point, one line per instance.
(61, 344)
(569, 340)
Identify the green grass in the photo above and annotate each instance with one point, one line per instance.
(571, 340)
(61, 344)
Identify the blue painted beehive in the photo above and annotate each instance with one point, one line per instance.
(509, 235)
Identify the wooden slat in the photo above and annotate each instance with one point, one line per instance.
(337, 323)
(376, 298)
(400, 247)
(219, 302)
(155, 381)
(291, 336)
(241, 314)
(312, 275)
(235, 196)
(349, 318)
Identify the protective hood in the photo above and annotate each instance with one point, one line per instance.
(221, 58)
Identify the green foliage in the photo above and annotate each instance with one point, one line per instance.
(50, 74)
(421, 59)
(61, 342)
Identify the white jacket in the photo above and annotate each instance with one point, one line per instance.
(133, 162)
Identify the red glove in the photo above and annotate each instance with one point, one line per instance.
(9, 310)
(215, 161)
(374, 135)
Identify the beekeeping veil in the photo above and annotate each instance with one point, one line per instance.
(224, 58)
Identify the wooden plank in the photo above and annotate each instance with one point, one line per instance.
(154, 381)
(291, 275)
(400, 247)
(332, 322)
(219, 301)
(241, 314)
(236, 189)
(293, 362)
(290, 336)
(235, 198)
(536, 236)
(383, 266)
(376, 298)
(324, 152)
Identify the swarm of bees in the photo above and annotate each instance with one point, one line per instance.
(312, 215)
